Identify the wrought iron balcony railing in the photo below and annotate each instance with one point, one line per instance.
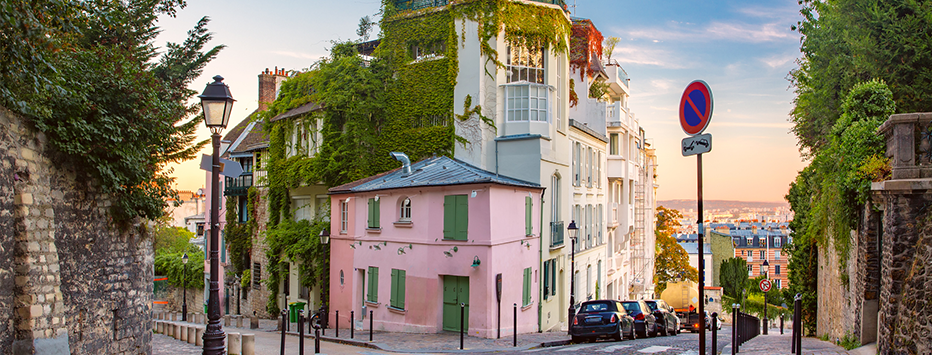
(238, 186)
(556, 234)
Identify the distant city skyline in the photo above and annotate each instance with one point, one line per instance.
(744, 51)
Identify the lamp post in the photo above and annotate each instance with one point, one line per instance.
(572, 229)
(184, 287)
(765, 267)
(217, 103)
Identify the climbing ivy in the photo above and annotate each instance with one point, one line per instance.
(239, 235)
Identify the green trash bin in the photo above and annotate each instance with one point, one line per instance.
(293, 308)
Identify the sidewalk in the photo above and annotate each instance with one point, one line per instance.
(268, 341)
(774, 344)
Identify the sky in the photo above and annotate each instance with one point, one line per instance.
(742, 49)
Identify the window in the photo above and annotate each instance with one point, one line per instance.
(598, 169)
(559, 102)
(397, 299)
(588, 282)
(599, 226)
(301, 208)
(577, 216)
(547, 279)
(344, 215)
(524, 64)
(762, 255)
(776, 255)
(749, 270)
(242, 209)
(589, 227)
(588, 167)
(528, 207)
(256, 276)
(526, 299)
(421, 52)
(576, 164)
(613, 144)
(373, 213)
(455, 217)
(776, 242)
(750, 241)
(405, 214)
(556, 230)
(553, 277)
(776, 270)
(598, 279)
(777, 284)
(200, 229)
(373, 294)
(526, 102)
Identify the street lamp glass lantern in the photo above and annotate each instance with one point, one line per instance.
(572, 229)
(184, 258)
(217, 103)
(325, 236)
(765, 267)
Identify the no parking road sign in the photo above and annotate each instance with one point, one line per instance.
(765, 285)
(695, 107)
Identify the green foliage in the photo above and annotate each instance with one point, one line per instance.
(850, 41)
(299, 243)
(239, 235)
(802, 252)
(733, 275)
(170, 265)
(849, 341)
(85, 73)
(671, 262)
(755, 305)
(609, 46)
(246, 280)
(170, 239)
(598, 89)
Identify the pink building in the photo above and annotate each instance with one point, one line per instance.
(413, 244)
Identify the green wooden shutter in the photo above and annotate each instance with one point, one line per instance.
(369, 222)
(462, 217)
(546, 279)
(376, 214)
(527, 215)
(373, 295)
(449, 216)
(553, 277)
(527, 287)
(394, 288)
(401, 289)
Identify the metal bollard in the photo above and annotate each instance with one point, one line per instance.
(462, 323)
(797, 324)
(352, 323)
(734, 328)
(338, 324)
(300, 332)
(714, 326)
(370, 325)
(781, 324)
(284, 321)
(515, 343)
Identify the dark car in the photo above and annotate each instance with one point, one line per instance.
(602, 318)
(667, 321)
(644, 321)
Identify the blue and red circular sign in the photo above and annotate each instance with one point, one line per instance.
(696, 107)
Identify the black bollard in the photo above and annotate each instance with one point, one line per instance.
(317, 340)
(462, 323)
(515, 343)
(370, 325)
(284, 321)
(734, 329)
(338, 324)
(352, 323)
(781, 324)
(797, 324)
(714, 326)
(300, 332)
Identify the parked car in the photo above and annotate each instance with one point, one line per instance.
(667, 321)
(602, 318)
(708, 322)
(644, 321)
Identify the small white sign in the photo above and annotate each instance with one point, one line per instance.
(697, 144)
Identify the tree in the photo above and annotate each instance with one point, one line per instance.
(734, 277)
(671, 260)
(85, 73)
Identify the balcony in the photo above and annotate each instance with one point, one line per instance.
(556, 234)
(238, 186)
(409, 5)
(617, 77)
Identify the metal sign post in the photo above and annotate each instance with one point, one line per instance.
(695, 112)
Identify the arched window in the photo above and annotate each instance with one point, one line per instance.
(405, 213)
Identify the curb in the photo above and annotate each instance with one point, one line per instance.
(383, 347)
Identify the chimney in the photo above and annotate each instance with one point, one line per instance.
(405, 162)
(269, 84)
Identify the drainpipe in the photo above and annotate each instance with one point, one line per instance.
(540, 258)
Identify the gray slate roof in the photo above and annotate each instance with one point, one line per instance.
(433, 171)
(693, 248)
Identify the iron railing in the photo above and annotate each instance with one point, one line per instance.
(556, 234)
(238, 186)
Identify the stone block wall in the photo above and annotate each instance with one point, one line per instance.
(905, 293)
(76, 284)
(258, 299)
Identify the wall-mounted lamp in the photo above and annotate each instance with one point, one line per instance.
(473, 195)
(353, 245)
(475, 262)
(449, 253)
(526, 243)
(402, 249)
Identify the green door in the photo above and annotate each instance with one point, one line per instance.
(455, 291)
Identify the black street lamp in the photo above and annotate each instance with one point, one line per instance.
(324, 236)
(184, 287)
(572, 229)
(217, 103)
(765, 268)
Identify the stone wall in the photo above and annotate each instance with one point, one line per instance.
(906, 294)
(258, 299)
(77, 284)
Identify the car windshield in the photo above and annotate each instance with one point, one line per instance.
(652, 305)
(632, 307)
(596, 307)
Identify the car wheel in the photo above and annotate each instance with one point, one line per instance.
(618, 335)
(634, 333)
(574, 339)
(663, 330)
